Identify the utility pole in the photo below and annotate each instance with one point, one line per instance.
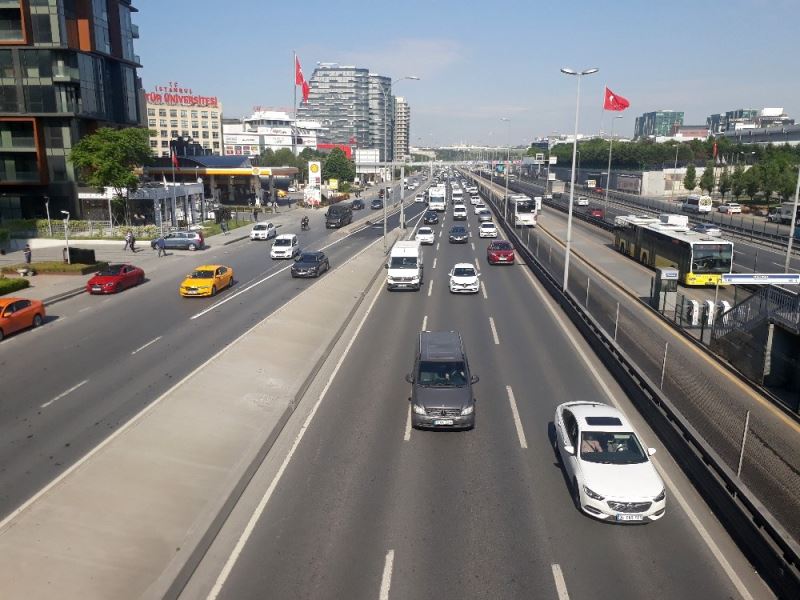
(793, 224)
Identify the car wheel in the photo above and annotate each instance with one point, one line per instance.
(37, 320)
(213, 290)
(140, 280)
(192, 247)
(576, 493)
(1, 335)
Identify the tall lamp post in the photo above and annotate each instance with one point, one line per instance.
(608, 172)
(507, 121)
(386, 157)
(793, 224)
(47, 210)
(579, 75)
(66, 233)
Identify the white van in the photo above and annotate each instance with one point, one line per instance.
(698, 204)
(285, 246)
(404, 269)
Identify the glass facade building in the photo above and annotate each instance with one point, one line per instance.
(658, 123)
(67, 67)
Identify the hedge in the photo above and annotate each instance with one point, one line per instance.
(12, 284)
(56, 267)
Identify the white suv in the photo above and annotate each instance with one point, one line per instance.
(285, 246)
(459, 212)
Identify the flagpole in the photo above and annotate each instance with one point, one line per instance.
(294, 105)
(174, 199)
(603, 109)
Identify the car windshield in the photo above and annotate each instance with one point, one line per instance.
(425, 231)
(202, 274)
(110, 270)
(283, 242)
(259, 228)
(500, 246)
(442, 373)
(463, 272)
(611, 448)
(487, 225)
(457, 230)
(308, 258)
(711, 258)
(403, 262)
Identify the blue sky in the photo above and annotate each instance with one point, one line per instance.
(480, 61)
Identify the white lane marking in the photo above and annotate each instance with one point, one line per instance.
(440, 232)
(407, 434)
(386, 580)
(66, 393)
(150, 343)
(517, 422)
(483, 289)
(437, 243)
(693, 518)
(425, 323)
(84, 309)
(248, 530)
(473, 246)
(434, 261)
(430, 287)
(477, 265)
(494, 331)
(561, 585)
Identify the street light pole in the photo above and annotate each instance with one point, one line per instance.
(47, 209)
(608, 172)
(508, 160)
(579, 75)
(66, 234)
(793, 224)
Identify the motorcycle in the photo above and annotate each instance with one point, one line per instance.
(304, 224)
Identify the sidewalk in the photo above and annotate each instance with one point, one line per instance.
(137, 512)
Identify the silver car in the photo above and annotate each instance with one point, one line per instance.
(707, 229)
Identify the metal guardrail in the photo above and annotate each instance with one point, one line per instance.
(774, 303)
(759, 535)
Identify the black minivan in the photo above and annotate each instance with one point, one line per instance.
(338, 215)
(441, 383)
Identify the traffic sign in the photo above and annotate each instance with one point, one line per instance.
(761, 278)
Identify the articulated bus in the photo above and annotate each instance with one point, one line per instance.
(666, 242)
(524, 210)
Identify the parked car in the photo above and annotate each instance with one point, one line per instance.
(181, 240)
(206, 281)
(500, 252)
(263, 231)
(115, 278)
(17, 314)
(608, 468)
(310, 264)
(732, 208)
(707, 229)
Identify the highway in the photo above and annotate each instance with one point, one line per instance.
(99, 360)
(365, 507)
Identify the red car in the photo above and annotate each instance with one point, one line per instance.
(500, 252)
(115, 278)
(596, 213)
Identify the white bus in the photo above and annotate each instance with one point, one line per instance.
(524, 210)
(698, 204)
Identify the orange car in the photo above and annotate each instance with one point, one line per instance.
(19, 313)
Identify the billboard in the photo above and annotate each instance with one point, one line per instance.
(314, 173)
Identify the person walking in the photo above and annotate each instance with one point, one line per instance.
(128, 237)
(133, 242)
(27, 252)
(162, 247)
(223, 225)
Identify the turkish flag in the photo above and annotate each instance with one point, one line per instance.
(174, 158)
(614, 102)
(306, 89)
(298, 72)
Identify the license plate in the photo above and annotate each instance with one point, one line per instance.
(503, 259)
(629, 517)
(191, 291)
(96, 288)
(443, 422)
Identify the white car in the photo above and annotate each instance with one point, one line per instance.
(464, 279)
(476, 208)
(731, 208)
(263, 231)
(419, 198)
(291, 189)
(474, 199)
(608, 468)
(459, 212)
(425, 235)
(285, 246)
(487, 230)
(583, 201)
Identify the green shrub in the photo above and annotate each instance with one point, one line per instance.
(5, 235)
(12, 284)
(56, 267)
(15, 225)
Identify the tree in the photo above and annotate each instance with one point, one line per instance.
(338, 166)
(750, 181)
(707, 178)
(724, 182)
(109, 157)
(690, 180)
(787, 183)
(737, 182)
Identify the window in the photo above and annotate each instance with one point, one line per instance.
(165, 143)
(173, 122)
(173, 112)
(163, 133)
(173, 133)
(162, 112)
(154, 143)
(151, 112)
(183, 114)
(204, 114)
(205, 124)
(194, 114)
(214, 125)
(185, 123)
(151, 122)
(162, 123)
(205, 135)
(214, 115)
(214, 134)
(195, 124)
(196, 134)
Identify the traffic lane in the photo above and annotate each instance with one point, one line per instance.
(41, 441)
(639, 560)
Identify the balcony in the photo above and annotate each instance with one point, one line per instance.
(134, 31)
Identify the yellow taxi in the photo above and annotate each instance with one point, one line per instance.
(206, 281)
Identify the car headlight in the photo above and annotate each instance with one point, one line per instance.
(109, 284)
(418, 409)
(468, 410)
(591, 494)
(661, 496)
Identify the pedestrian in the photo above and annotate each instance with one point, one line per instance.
(128, 237)
(133, 242)
(224, 227)
(162, 247)
(27, 253)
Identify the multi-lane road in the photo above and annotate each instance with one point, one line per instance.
(362, 506)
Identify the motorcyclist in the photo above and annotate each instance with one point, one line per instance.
(304, 223)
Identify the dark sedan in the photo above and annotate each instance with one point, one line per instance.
(376, 204)
(115, 278)
(458, 235)
(357, 205)
(310, 264)
(431, 217)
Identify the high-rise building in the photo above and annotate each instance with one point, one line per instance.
(402, 124)
(175, 111)
(67, 67)
(352, 105)
(657, 124)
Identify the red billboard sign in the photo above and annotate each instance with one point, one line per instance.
(174, 94)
